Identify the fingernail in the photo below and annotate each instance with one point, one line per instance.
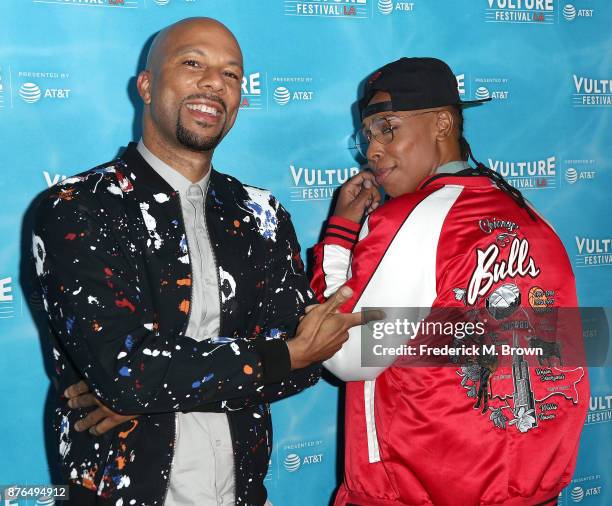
(367, 184)
(77, 426)
(70, 403)
(66, 394)
(346, 291)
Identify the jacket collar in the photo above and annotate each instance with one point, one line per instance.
(143, 173)
(458, 179)
(174, 178)
(452, 167)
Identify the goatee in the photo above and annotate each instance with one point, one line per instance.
(195, 142)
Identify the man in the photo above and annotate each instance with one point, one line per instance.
(450, 236)
(174, 292)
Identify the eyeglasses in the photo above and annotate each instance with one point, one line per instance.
(381, 130)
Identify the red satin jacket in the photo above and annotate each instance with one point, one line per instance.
(432, 435)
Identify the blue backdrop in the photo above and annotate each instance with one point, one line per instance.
(68, 102)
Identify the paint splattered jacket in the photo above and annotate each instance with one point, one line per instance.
(111, 255)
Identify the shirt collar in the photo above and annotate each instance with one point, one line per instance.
(452, 167)
(175, 179)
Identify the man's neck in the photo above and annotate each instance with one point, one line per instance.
(191, 164)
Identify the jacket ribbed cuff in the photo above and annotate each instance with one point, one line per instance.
(342, 232)
(275, 358)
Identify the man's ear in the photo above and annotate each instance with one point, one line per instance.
(143, 83)
(444, 124)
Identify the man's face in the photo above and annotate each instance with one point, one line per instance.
(402, 164)
(194, 82)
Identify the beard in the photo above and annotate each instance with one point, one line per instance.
(196, 142)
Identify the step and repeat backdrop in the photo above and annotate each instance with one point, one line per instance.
(68, 102)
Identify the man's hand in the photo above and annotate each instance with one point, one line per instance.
(357, 197)
(98, 421)
(323, 330)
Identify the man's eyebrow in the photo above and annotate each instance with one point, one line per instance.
(188, 50)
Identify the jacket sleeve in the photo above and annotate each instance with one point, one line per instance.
(98, 312)
(288, 293)
(335, 267)
(332, 269)
(332, 257)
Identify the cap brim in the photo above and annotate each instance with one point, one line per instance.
(472, 103)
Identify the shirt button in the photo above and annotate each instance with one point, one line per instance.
(218, 442)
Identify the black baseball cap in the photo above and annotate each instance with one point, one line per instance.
(413, 83)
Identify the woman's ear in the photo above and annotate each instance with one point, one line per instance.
(444, 124)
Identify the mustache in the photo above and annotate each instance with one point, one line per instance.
(207, 96)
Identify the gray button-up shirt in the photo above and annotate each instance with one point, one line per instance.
(202, 471)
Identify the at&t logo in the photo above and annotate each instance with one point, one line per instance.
(282, 95)
(292, 89)
(491, 87)
(45, 501)
(577, 494)
(482, 93)
(571, 175)
(292, 462)
(579, 170)
(30, 93)
(570, 12)
(38, 85)
(583, 487)
(386, 7)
